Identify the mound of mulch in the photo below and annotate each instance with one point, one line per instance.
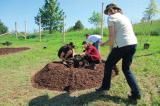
(5, 51)
(56, 76)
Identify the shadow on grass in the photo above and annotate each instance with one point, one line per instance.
(149, 54)
(66, 100)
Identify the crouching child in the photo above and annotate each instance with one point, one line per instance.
(66, 52)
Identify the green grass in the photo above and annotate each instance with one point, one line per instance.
(16, 71)
(148, 28)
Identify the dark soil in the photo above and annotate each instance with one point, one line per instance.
(56, 76)
(5, 51)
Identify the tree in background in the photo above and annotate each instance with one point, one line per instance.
(151, 11)
(51, 16)
(78, 26)
(95, 19)
(3, 28)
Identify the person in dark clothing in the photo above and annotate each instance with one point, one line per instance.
(91, 54)
(66, 51)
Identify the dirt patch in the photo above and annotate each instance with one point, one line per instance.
(5, 51)
(56, 76)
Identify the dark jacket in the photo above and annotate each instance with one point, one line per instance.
(64, 49)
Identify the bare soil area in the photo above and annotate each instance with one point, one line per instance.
(6, 51)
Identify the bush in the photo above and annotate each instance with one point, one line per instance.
(7, 43)
(32, 36)
(155, 33)
(98, 31)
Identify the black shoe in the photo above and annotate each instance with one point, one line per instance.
(101, 89)
(93, 66)
(134, 97)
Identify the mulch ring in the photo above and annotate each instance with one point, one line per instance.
(56, 76)
(5, 51)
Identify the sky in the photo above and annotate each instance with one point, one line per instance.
(19, 11)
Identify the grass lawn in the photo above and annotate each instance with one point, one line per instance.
(17, 69)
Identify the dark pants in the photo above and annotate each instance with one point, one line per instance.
(90, 60)
(126, 54)
(96, 44)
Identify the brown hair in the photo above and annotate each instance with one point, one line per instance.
(71, 44)
(87, 35)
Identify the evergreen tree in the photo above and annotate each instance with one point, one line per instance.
(3, 28)
(78, 25)
(51, 16)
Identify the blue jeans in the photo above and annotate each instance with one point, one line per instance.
(126, 54)
(96, 44)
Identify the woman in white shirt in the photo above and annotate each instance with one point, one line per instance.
(124, 41)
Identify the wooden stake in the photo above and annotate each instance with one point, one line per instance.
(40, 36)
(63, 28)
(102, 20)
(16, 32)
(25, 34)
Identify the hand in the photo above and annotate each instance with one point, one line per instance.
(82, 54)
(109, 43)
(102, 44)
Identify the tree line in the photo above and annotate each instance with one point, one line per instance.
(52, 17)
(3, 28)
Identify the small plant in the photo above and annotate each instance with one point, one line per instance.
(7, 43)
(146, 45)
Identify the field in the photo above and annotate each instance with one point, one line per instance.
(16, 71)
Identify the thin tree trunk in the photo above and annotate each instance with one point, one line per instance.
(50, 27)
